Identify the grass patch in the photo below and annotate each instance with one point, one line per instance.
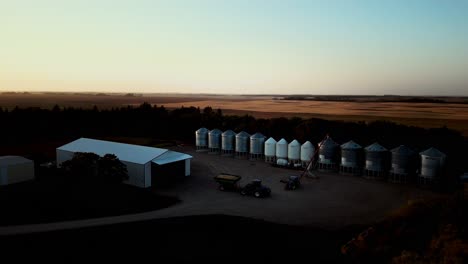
(53, 200)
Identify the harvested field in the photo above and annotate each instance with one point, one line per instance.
(427, 115)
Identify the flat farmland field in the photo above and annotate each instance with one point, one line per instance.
(422, 114)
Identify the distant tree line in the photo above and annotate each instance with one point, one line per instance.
(380, 99)
(29, 125)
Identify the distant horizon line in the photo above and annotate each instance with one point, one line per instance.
(220, 94)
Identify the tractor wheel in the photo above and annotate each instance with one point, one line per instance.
(243, 192)
(257, 194)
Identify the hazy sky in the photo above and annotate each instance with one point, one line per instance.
(238, 46)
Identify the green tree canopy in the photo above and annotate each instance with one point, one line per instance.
(85, 167)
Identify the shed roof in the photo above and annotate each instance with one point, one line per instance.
(171, 156)
(13, 160)
(125, 152)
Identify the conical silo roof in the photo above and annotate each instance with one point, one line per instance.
(307, 151)
(376, 147)
(229, 133)
(257, 135)
(243, 134)
(403, 150)
(215, 132)
(294, 150)
(294, 143)
(270, 147)
(351, 145)
(282, 149)
(282, 142)
(433, 152)
(307, 144)
(328, 142)
(202, 130)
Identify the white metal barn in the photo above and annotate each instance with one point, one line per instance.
(144, 164)
(15, 169)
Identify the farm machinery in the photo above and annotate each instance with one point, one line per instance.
(230, 182)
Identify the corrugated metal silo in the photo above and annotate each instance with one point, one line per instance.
(256, 146)
(376, 161)
(307, 152)
(227, 142)
(214, 140)
(242, 144)
(282, 149)
(402, 165)
(201, 139)
(432, 163)
(351, 153)
(327, 154)
(294, 152)
(270, 150)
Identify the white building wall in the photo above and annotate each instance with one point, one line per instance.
(187, 167)
(148, 174)
(3, 175)
(63, 155)
(20, 172)
(136, 174)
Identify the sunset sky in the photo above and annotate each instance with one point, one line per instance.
(416, 47)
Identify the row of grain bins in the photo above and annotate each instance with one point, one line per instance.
(254, 146)
(373, 161)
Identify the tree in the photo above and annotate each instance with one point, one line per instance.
(83, 166)
(111, 169)
(89, 167)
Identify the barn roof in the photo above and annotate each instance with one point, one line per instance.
(125, 152)
(13, 160)
(170, 156)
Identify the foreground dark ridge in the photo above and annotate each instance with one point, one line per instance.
(186, 239)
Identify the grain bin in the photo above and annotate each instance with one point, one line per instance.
(402, 164)
(242, 144)
(201, 139)
(282, 149)
(227, 142)
(270, 150)
(432, 164)
(256, 146)
(307, 152)
(294, 152)
(351, 156)
(376, 161)
(214, 141)
(327, 154)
